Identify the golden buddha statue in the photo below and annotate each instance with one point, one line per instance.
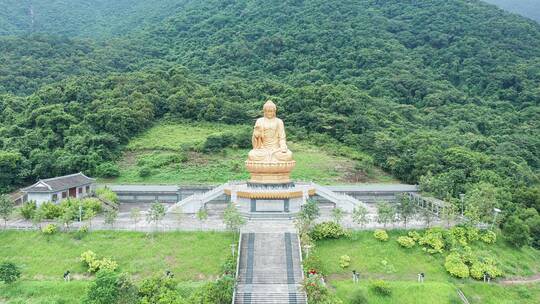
(270, 161)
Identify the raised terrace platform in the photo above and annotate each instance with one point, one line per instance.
(367, 193)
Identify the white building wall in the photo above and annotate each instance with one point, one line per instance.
(39, 198)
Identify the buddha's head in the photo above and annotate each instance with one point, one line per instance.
(269, 109)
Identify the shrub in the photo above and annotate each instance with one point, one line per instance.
(478, 268)
(414, 235)
(107, 195)
(103, 289)
(460, 235)
(381, 288)
(344, 261)
(317, 291)
(219, 291)
(89, 258)
(9, 272)
(313, 264)
(81, 232)
(358, 297)
(70, 208)
(50, 229)
(28, 209)
(50, 210)
(160, 290)
(328, 230)
(433, 238)
(229, 266)
(472, 234)
(108, 169)
(488, 237)
(455, 266)
(380, 235)
(91, 203)
(406, 241)
(106, 264)
(145, 172)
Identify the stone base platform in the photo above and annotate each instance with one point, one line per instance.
(270, 172)
(284, 198)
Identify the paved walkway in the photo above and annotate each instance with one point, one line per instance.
(521, 280)
(189, 222)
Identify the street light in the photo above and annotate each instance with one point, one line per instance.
(462, 198)
(495, 212)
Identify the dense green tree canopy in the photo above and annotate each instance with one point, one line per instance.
(441, 93)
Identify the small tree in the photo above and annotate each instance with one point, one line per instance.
(427, 217)
(406, 209)
(67, 217)
(202, 215)
(449, 214)
(102, 289)
(360, 215)
(110, 217)
(89, 215)
(309, 213)
(135, 215)
(37, 217)
(516, 232)
(337, 215)
(6, 208)
(156, 213)
(232, 218)
(385, 213)
(179, 215)
(9, 272)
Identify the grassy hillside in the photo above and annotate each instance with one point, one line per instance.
(173, 153)
(374, 259)
(139, 254)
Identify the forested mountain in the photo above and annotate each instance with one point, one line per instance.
(83, 18)
(527, 8)
(444, 93)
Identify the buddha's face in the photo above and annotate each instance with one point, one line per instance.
(270, 112)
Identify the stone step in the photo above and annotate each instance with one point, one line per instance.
(270, 270)
(269, 298)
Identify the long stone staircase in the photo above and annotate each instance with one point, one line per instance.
(270, 269)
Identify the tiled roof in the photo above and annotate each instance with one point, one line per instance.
(60, 183)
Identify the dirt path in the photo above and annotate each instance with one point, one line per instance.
(521, 280)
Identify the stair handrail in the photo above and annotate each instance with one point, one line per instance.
(237, 268)
(301, 262)
(199, 196)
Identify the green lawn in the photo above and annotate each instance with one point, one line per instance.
(160, 149)
(400, 266)
(184, 253)
(191, 256)
(171, 136)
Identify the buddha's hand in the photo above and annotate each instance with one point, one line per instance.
(283, 149)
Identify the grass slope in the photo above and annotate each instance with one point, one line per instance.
(400, 266)
(192, 257)
(160, 148)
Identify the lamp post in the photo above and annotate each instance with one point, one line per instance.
(495, 212)
(462, 198)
